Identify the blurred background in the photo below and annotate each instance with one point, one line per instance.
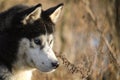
(87, 34)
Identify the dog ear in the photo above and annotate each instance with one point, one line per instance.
(31, 14)
(54, 12)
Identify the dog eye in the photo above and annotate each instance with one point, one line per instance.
(37, 41)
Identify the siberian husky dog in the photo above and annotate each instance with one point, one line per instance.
(26, 40)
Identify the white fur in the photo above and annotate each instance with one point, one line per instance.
(42, 58)
(30, 58)
(22, 75)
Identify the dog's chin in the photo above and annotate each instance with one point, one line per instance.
(48, 71)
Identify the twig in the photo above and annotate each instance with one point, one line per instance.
(111, 53)
(84, 72)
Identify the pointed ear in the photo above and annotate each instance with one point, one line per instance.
(55, 12)
(32, 14)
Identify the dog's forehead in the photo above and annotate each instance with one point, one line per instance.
(39, 27)
(48, 24)
(47, 37)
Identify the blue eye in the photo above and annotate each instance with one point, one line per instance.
(37, 41)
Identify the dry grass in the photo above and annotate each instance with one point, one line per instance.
(82, 71)
(86, 40)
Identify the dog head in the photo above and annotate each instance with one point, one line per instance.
(35, 27)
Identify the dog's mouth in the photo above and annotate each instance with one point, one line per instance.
(46, 68)
(48, 71)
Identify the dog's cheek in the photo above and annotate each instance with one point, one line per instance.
(33, 57)
(28, 60)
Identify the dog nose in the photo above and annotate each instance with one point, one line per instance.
(55, 64)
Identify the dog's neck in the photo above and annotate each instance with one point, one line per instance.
(5, 74)
(22, 75)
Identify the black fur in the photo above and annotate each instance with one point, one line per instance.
(12, 31)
